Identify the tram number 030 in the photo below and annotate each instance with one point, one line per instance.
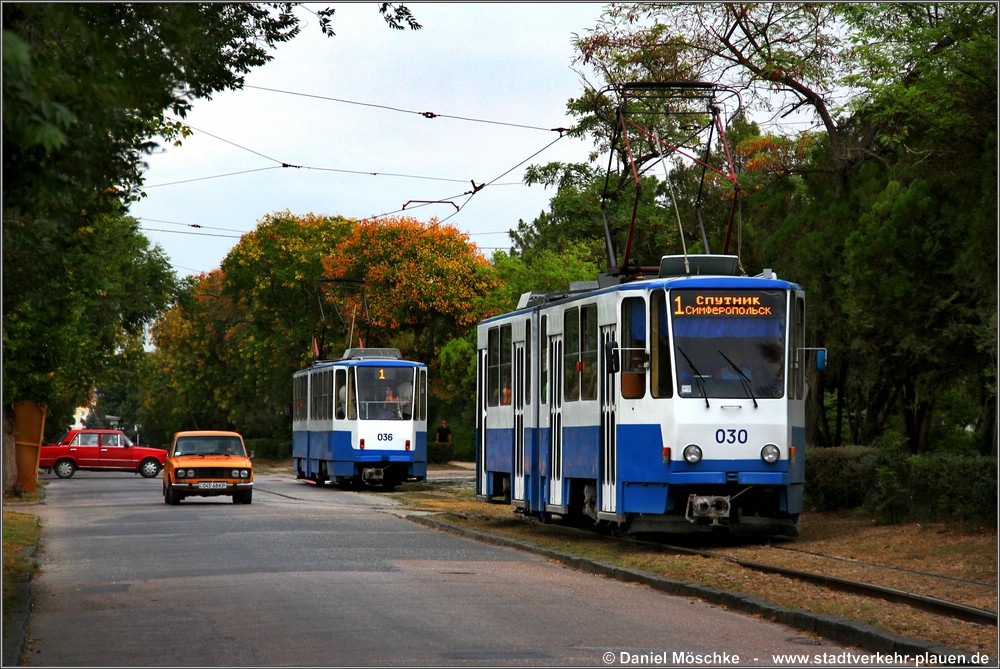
(731, 436)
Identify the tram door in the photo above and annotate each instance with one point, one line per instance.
(517, 388)
(482, 485)
(556, 373)
(608, 400)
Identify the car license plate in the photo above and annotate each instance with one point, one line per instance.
(211, 484)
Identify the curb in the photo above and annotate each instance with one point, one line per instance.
(833, 628)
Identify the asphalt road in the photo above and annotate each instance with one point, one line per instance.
(309, 576)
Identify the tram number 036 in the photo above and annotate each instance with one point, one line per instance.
(730, 436)
(383, 436)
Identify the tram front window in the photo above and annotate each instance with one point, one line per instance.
(729, 344)
(385, 393)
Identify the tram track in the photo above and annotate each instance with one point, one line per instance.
(933, 605)
(930, 604)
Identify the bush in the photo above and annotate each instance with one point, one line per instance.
(895, 487)
(270, 449)
(839, 478)
(962, 487)
(440, 453)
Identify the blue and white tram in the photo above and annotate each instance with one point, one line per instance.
(670, 404)
(361, 420)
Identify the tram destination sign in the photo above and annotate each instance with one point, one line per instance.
(723, 303)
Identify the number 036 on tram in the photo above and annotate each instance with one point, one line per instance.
(669, 404)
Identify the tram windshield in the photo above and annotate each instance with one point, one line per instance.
(729, 343)
(385, 393)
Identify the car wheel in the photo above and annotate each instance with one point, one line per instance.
(149, 468)
(172, 496)
(65, 469)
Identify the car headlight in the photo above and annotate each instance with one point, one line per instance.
(692, 454)
(770, 454)
(244, 473)
(235, 473)
(180, 473)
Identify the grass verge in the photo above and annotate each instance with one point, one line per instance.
(21, 532)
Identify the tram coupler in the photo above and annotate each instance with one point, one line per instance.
(707, 506)
(372, 475)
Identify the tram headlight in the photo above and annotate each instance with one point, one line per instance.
(692, 454)
(770, 454)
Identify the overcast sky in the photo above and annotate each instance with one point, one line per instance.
(328, 112)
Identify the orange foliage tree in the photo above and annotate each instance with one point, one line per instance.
(424, 282)
(226, 351)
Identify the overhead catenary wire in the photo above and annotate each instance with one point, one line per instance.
(281, 164)
(470, 193)
(425, 114)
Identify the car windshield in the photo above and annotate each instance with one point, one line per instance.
(209, 445)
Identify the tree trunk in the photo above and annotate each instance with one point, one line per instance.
(9, 454)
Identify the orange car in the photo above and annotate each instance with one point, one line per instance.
(207, 464)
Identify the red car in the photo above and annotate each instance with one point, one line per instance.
(100, 450)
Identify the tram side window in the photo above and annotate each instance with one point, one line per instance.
(571, 354)
(506, 359)
(662, 382)
(580, 354)
(352, 394)
(493, 367)
(633, 352)
(421, 413)
(498, 375)
(527, 363)
(543, 351)
(313, 396)
(588, 352)
(299, 397)
(326, 400)
(340, 394)
(328, 394)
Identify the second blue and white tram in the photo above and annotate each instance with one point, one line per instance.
(667, 404)
(361, 420)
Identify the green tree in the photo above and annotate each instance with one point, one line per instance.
(56, 337)
(864, 213)
(186, 380)
(544, 271)
(86, 88)
(288, 309)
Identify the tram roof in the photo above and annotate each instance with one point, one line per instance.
(534, 300)
(390, 357)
